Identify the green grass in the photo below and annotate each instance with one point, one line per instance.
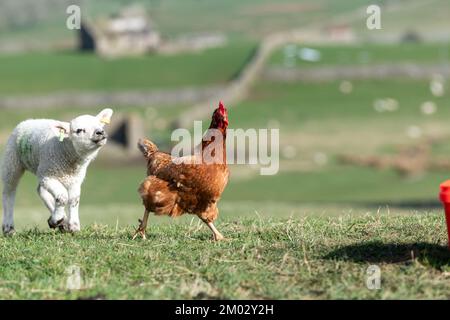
(305, 258)
(310, 231)
(23, 73)
(335, 184)
(312, 118)
(370, 54)
(340, 184)
(295, 104)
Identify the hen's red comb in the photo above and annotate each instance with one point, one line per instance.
(221, 107)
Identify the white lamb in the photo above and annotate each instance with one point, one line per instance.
(58, 153)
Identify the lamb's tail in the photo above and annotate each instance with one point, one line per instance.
(147, 147)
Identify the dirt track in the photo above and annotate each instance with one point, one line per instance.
(383, 71)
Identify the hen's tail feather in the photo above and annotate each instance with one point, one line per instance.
(147, 147)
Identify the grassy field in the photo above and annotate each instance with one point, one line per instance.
(297, 258)
(314, 118)
(331, 185)
(22, 74)
(318, 118)
(309, 232)
(369, 54)
(300, 103)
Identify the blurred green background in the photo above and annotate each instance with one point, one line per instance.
(343, 99)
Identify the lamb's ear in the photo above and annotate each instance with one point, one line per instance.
(61, 130)
(105, 116)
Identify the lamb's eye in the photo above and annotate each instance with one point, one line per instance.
(80, 131)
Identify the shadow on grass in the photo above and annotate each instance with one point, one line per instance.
(422, 205)
(378, 252)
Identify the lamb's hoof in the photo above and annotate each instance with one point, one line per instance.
(8, 231)
(54, 225)
(69, 227)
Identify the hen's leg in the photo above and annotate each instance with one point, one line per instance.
(216, 234)
(142, 226)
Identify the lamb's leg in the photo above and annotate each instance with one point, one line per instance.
(73, 223)
(60, 194)
(9, 198)
(142, 226)
(47, 198)
(11, 174)
(74, 204)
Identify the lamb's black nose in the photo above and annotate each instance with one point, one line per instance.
(100, 133)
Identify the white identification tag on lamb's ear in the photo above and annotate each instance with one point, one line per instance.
(62, 135)
(61, 130)
(105, 116)
(105, 121)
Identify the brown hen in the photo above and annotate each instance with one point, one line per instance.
(191, 184)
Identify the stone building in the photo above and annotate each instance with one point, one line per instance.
(131, 32)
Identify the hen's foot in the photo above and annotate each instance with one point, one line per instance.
(218, 237)
(140, 231)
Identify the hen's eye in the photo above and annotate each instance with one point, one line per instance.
(80, 131)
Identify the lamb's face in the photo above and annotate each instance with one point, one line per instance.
(87, 133)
